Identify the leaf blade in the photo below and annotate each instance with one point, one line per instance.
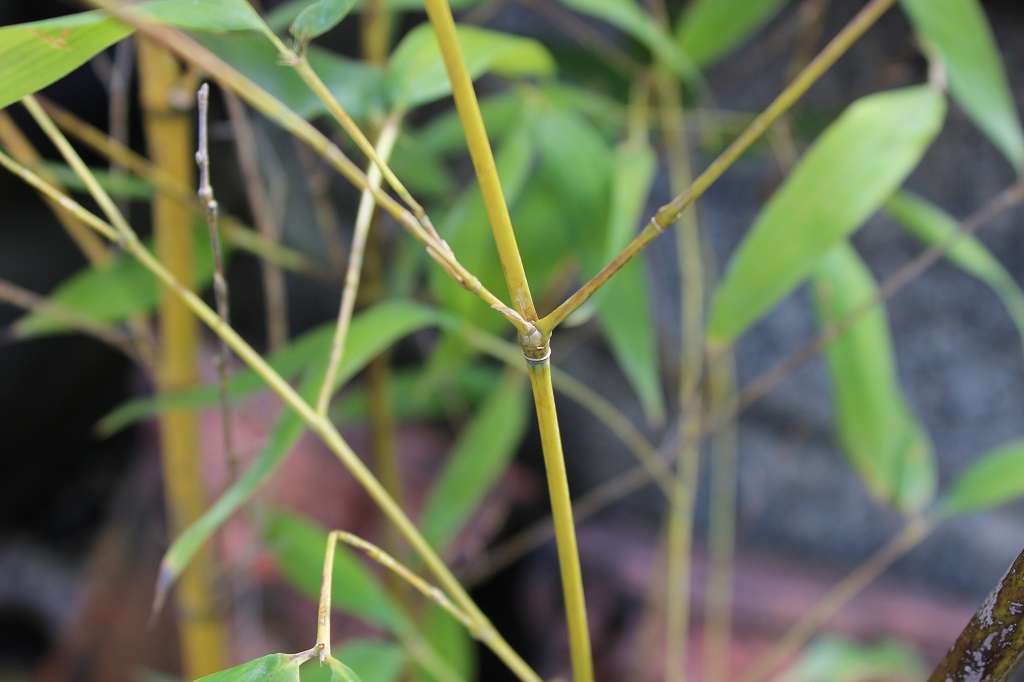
(711, 28)
(854, 166)
(997, 477)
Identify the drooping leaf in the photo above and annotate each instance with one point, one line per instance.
(319, 18)
(299, 545)
(879, 434)
(477, 459)
(380, 327)
(997, 477)
(375, 660)
(110, 293)
(356, 85)
(711, 28)
(284, 14)
(36, 54)
(840, 660)
(630, 17)
(856, 164)
(416, 73)
(960, 32)
(932, 226)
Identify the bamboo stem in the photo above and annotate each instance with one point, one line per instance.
(440, 15)
(325, 430)
(168, 133)
(565, 529)
(670, 212)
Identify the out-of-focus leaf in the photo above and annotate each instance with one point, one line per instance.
(449, 638)
(319, 18)
(299, 545)
(839, 660)
(411, 160)
(502, 113)
(879, 433)
(470, 385)
(35, 54)
(416, 73)
(961, 33)
(109, 294)
(478, 458)
(856, 164)
(123, 186)
(376, 661)
(630, 17)
(624, 303)
(356, 85)
(932, 225)
(284, 14)
(380, 327)
(711, 28)
(997, 477)
(465, 228)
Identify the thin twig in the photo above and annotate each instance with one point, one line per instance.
(385, 144)
(274, 293)
(220, 283)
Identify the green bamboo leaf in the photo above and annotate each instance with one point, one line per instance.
(356, 85)
(977, 81)
(379, 327)
(624, 304)
(450, 639)
(711, 28)
(319, 18)
(477, 459)
(332, 670)
(932, 225)
(840, 660)
(110, 293)
(121, 186)
(630, 17)
(880, 436)
(284, 14)
(856, 164)
(375, 660)
(298, 545)
(997, 477)
(416, 73)
(272, 668)
(36, 54)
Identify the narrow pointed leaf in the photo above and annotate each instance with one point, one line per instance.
(932, 225)
(879, 434)
(299, 544)
(332, 670)
(856, 164)
(416, 73)
(36, 54)
(996, 478)
(630, 17)
(624, 304)
(319, 18)
(109, 293)
(840, 660)
(711, 28)
(478, 458)
(380, 327)
(450, 639)
(977, 81)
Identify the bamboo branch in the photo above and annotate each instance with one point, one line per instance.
(670, 212)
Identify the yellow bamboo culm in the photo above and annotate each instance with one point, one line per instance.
(168, 126)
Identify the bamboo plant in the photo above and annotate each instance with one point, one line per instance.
(563, 205)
